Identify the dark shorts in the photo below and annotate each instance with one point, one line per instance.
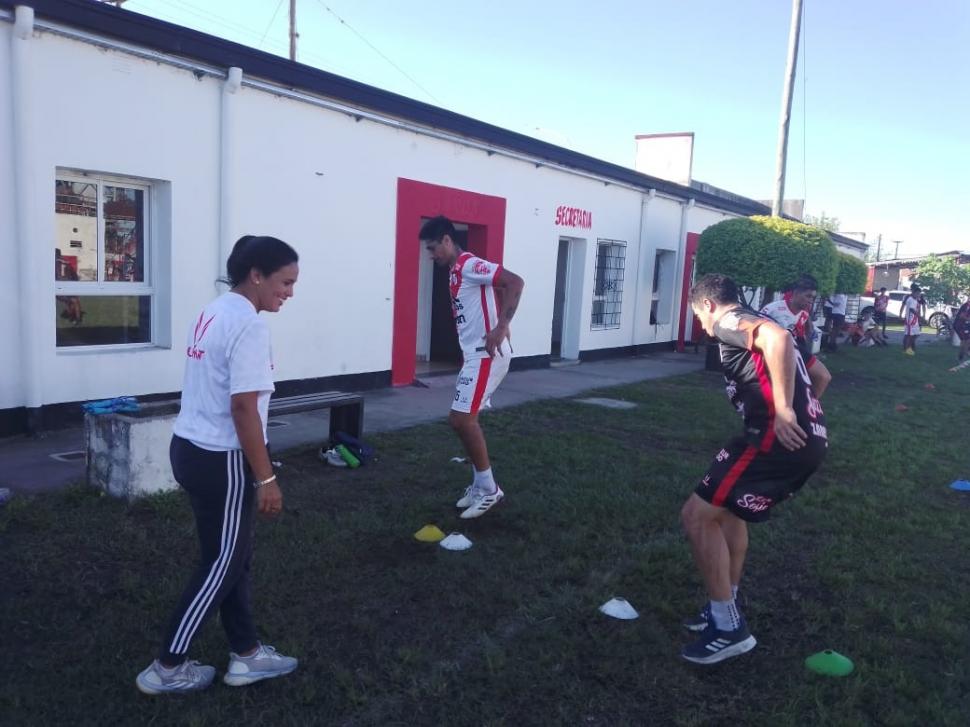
(749, 482)
(879, 316)
(962, 329)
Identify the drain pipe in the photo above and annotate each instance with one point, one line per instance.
(645, 201)
(227, 150)
(38, 298)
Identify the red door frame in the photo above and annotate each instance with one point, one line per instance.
(690, 252)
(485, 217)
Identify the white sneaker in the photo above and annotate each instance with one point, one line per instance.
(468, 498)
(189, 676)
(482, 503)
(265, 663)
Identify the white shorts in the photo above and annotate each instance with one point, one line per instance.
(477, 381)
(911, 328)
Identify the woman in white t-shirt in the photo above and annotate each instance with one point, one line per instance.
(219, 457)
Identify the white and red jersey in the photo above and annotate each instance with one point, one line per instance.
(783, 315)
(473, 302)
(910, 314)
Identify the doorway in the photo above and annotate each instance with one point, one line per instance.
(567, 300)
(484, 226)
(438, 350)
(559, 299)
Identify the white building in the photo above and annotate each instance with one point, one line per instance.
(138, 151)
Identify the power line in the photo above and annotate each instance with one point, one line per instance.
(270, 24)
(376, 50)
(209, 17)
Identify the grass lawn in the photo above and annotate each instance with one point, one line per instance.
(870, 559)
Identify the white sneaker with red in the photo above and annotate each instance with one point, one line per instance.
(481, 502)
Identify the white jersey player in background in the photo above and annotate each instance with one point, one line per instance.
(484, 297)
(794, 312)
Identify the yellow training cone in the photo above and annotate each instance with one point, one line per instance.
(429, 534)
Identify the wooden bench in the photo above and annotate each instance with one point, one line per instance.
(346, 410)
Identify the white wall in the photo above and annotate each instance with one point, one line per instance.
(316, 178)
(119, 115)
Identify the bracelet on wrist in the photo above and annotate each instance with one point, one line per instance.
(268, 480)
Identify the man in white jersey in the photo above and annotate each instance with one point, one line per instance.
(484, 297)
(793, 312)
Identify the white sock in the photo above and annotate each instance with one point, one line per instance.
(484, 480)
(725, 614)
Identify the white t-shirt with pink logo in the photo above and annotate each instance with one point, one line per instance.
(473, 303)
(227, 352)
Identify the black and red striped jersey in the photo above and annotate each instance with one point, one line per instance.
(749, 385)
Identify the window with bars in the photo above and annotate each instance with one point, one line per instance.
(102, 276)
(608, 284)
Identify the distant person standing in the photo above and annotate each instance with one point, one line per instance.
(909, 311)
(838, 301)
(961, 327)
(219, 457)
(879, 305)
(484, 297)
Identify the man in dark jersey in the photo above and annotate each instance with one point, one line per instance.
(784, 442)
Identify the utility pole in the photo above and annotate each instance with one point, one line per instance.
(897, 243)
(796, 26)
(293, 33)
(878, 246)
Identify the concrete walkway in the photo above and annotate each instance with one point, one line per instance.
(50, 462)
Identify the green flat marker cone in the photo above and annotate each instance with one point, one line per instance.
(830, 663)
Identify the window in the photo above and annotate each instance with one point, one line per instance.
(102, 273)
(608, 286)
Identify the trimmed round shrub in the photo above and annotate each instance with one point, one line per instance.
(768, 252)
(852, 274)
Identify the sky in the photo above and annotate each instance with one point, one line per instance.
(880, 117)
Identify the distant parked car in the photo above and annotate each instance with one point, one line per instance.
(938, 316)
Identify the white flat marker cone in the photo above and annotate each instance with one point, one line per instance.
(456, 541)
(619, 608)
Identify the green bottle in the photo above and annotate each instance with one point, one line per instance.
(347, 456)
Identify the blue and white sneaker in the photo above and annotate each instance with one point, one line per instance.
(715, 645)
(699, 622)
(265, 663)
(189, 676)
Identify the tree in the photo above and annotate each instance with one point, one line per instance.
(767, 252)
(829, 224)
(852, 275)
(943, 280)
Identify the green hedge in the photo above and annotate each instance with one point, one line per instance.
(852, 275)
(768, 252)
